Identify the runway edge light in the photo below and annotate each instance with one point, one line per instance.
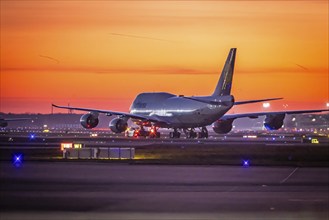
(32, 136)
(245, 163)
(17, 159)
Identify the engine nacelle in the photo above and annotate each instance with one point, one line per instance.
(274, 122)
(89, 120)
(222, 126)
(118, 125)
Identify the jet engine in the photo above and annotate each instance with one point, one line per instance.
(89, 120)
(274, 122)
(118, 125)
(222, 126)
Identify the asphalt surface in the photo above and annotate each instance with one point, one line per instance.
(97, 190)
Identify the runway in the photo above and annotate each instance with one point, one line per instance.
(97, 190)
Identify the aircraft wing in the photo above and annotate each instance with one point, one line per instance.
(254, 101)
(257, 114)
(207, 101)
(109, 113)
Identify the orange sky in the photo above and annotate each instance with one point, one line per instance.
(103, 53)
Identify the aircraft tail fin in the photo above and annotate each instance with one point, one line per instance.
(225, 81)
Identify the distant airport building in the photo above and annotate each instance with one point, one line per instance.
(306, 122)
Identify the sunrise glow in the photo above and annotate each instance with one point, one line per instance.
(101, 54)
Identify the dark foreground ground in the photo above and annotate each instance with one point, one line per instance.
(96, 190)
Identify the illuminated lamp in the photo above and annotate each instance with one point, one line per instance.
(66, 145)
(245, 163)
(266, 105)
(17, 160)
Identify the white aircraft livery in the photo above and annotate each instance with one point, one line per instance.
(185, 113)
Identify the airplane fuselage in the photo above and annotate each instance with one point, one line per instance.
(180, 111)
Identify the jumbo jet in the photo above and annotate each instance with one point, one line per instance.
(185, 113)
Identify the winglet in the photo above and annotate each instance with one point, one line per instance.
(224, 84)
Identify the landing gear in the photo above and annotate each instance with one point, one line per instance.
(190, 133)
(174, 134)
(154, 133)
(203, 133)
(140, 132)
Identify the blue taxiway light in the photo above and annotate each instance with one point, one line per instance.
(245, 163)
(17, 160)
(32, 136)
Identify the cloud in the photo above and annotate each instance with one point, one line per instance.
(140, 37)
(50, 58)
(303, 67)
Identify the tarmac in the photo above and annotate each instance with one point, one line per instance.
(98, 190)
